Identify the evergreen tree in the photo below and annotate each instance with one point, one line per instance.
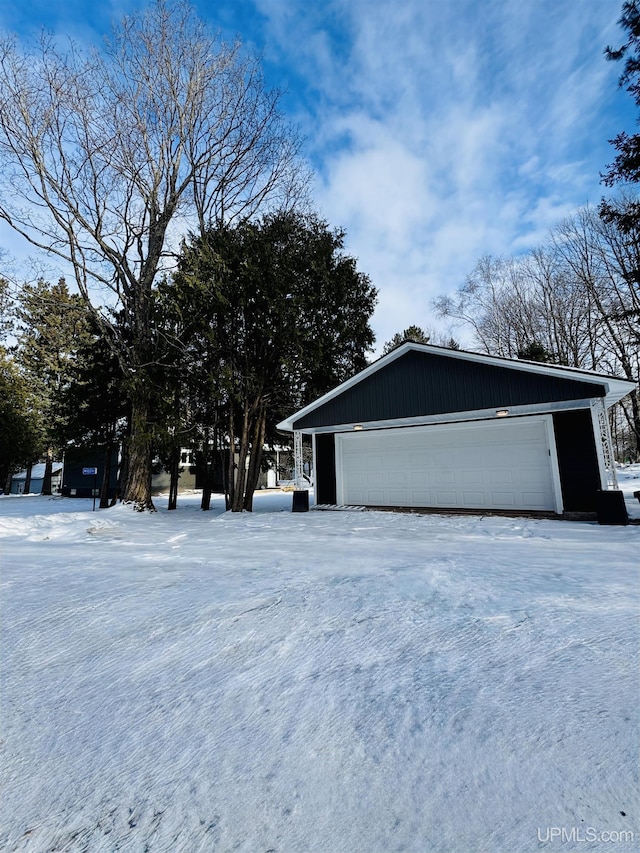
(53, 324)
(626, 166)
(94, 408)
(535, 351)
(7, 316)
(281, 315)
(19, 434)
(191, 385)
(414, 334)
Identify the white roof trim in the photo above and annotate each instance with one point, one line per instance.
(616, 388)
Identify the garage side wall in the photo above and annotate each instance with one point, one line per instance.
(325, 464)
(577, 460)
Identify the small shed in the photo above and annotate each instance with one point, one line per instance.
(77, 483)
(19, 480)
(426, 426)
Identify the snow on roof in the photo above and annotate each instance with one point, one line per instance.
(37, 471)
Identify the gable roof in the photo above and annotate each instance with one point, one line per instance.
(415, 382)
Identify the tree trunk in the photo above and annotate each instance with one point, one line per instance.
(635, 420)
(123, 472)
(48, 472)
(174, 474)
(255, 458)
(27, 482)
(137, 488)
(205, 503)
(237, 504)
(231, 467)
(106, 476)
(203, 466)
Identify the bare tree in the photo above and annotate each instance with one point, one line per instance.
(575, 301)
(605, 260)
(514, 304)
(565, 321)
(498, 301)
(105, 158)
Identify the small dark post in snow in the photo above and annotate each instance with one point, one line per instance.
(89, 472)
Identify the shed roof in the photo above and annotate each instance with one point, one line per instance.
(37, 471)
(422, 382)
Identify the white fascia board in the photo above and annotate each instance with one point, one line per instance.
(616, 388)
(456, 417)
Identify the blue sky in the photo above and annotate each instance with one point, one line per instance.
(438, 130)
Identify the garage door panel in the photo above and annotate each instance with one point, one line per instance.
(504, 500)
(472, 499)
(535, 500)
(398, 478)
(532, 477)
(484, 465)
(421, 497)
(375, 497)
(501, 478)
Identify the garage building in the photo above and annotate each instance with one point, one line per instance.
(426, 426)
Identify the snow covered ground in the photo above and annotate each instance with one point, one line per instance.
(332, 682)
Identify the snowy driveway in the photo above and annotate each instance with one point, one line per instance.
(325, 682)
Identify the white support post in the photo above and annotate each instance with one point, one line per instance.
(297, 459)
(603, 438)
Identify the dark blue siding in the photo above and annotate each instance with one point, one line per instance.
(425, 384)
(82, 484)
(577, 460)
(325, 468)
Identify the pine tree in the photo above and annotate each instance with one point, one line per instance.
(626, 166)
(53, 324)
(281, 315)
(414, 334)
(19, 435)
(94, 408)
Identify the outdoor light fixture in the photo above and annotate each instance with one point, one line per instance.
(357, 426)
(502, 413)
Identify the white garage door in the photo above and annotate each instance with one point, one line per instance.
(505, 464)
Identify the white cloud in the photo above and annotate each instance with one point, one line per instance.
(441, 131)
(444, 131)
